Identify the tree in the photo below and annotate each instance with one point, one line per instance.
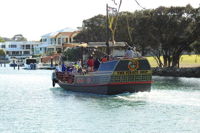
(19, 37)
(162, 32)
(94, 30)
(72, 54)
(2, 52)
(1, 39)
(196, 46)
(168, 31)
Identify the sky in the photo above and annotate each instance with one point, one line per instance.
(34, 18)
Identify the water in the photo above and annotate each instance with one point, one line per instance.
(29, 104)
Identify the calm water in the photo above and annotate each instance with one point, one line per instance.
(29, 104)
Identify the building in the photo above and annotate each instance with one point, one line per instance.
(52, 43)
(19, 49)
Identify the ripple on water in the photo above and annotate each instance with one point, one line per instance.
(29, 104)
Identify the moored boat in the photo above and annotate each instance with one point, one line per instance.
(30, 64)
(112, 77)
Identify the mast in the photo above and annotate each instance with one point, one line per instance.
(107, 33)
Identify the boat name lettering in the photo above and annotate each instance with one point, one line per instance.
(132, 72)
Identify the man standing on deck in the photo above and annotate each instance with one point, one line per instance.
(131, 53)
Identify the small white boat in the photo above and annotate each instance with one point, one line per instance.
(30, 64)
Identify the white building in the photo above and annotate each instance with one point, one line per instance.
(53, 42)
(19, 49)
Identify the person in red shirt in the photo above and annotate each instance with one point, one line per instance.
(90, 64)
(104, 59)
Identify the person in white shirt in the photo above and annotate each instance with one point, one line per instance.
(57, 68)
(132, 53)
(129, 53)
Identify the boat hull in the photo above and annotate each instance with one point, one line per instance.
(109, 89)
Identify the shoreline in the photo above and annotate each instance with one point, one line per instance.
(177, 72)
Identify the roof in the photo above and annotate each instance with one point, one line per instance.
(69, 34)
(52, 34)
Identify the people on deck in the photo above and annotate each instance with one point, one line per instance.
(129, 53)
(96, 64)
(63, 67)
(76, 66)
(132, 53)
(90, 64)
(104, 59)
(57, 68)
(69, 70)
(79, 62)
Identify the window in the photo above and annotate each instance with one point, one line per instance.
(26, 52)
(3, 46)
(28, 47)
(44, 40)
(59, 40)
(12, 46)
(107, 66)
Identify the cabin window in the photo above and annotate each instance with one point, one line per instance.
(144, 65)
(107, 66)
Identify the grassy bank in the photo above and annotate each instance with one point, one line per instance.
(185, 61)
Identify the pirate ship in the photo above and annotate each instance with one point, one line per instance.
(112, 77)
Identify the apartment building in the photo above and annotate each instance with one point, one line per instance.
(19, 49)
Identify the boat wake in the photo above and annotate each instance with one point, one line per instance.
(173, 97)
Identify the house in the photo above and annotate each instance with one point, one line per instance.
(53, 42)
(19, 49)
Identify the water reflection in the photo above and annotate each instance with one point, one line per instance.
(174, 83)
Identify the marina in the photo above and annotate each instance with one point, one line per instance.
(30, 104)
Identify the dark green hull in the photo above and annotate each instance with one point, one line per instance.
(108, 89)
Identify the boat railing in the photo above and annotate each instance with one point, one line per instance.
(65, 77)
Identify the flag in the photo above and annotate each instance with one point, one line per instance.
(112, 11)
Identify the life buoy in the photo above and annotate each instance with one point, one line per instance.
(133, 65)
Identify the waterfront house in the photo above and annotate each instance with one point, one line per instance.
(53, 42)
(19, 49)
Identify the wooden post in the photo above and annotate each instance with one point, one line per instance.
(107, 33)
